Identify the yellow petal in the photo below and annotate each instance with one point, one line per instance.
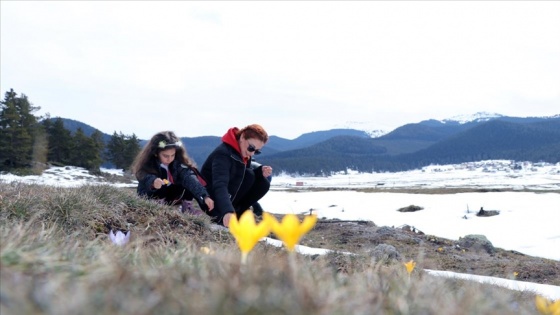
(246, 232)
(270, 219)
(307, 224)
(410, 266)
(544, 306)
(234, 227)
(554, 307)
(290, 230)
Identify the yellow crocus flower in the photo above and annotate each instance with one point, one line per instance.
(290, 230)
(410, 266)
(546, 307)
(247, 233)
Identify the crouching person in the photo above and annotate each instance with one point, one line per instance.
(231, 181)
(165, 171)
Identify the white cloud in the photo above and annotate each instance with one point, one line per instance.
(294, 67)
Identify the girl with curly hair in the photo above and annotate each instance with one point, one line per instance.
(165, 171)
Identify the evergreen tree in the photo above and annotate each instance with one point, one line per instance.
(80, 146)
(116, 149)
(60, 141)
(132, 149)
(98, 146)
(85, 152)
(18, 127)
(122, 149)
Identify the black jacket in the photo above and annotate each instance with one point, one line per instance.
(185, 184)
(224, 170)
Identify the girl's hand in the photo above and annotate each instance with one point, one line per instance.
(209, 202)
(158, 182)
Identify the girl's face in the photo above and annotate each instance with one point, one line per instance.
(167, 156)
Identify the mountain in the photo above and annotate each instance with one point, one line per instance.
(474, 118)
(495, 139)
(362, 125)
(88, 130)
(433, 142)
(485, 116)
(200, 147)
(455, 140)
(432, 131)
(308, 139)
(436, 130)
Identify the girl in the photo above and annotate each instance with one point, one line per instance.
(165, 171)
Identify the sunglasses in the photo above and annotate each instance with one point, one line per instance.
(251, 148)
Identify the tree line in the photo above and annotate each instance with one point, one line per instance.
(28, 143)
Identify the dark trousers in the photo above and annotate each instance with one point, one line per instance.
(173, 194)
(252, 189)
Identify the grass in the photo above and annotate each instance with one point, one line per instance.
(56, 258)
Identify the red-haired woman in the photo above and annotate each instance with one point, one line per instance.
(231, 182)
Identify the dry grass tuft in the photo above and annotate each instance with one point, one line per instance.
(56, 258)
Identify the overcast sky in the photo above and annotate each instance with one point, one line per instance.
(199, 68)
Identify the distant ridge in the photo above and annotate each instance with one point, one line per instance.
(476, 117)
(458, 139)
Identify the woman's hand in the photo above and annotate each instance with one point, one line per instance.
(226, 219)
(267, 171)
(209, 202)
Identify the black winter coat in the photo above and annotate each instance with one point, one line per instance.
(186, 184)
(224, 171)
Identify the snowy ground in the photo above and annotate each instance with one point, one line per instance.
(493, 174)
(529, 222)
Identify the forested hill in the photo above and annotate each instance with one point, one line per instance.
(407, 147)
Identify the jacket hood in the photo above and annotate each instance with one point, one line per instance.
(229, 138)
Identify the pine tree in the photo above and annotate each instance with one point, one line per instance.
(79, 154)
(132, 149)
(98, 148)
(18, 127)
(122, 149)
(60, 141)
(86, 152)
(116, 150)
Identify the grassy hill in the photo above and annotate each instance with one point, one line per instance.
(56, 258)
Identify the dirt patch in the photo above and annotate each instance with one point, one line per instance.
(431, 252)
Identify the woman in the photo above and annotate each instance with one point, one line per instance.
(165, 171)
(232, 183)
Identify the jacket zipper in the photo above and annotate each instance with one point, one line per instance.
(242, 178)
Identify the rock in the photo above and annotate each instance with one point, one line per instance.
(384, 252)
(411, 208)
(385, 230)
(477, 243)
(412, 229)
(487, 213)
(388, 233)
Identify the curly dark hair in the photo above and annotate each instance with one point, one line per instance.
(146, 161)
